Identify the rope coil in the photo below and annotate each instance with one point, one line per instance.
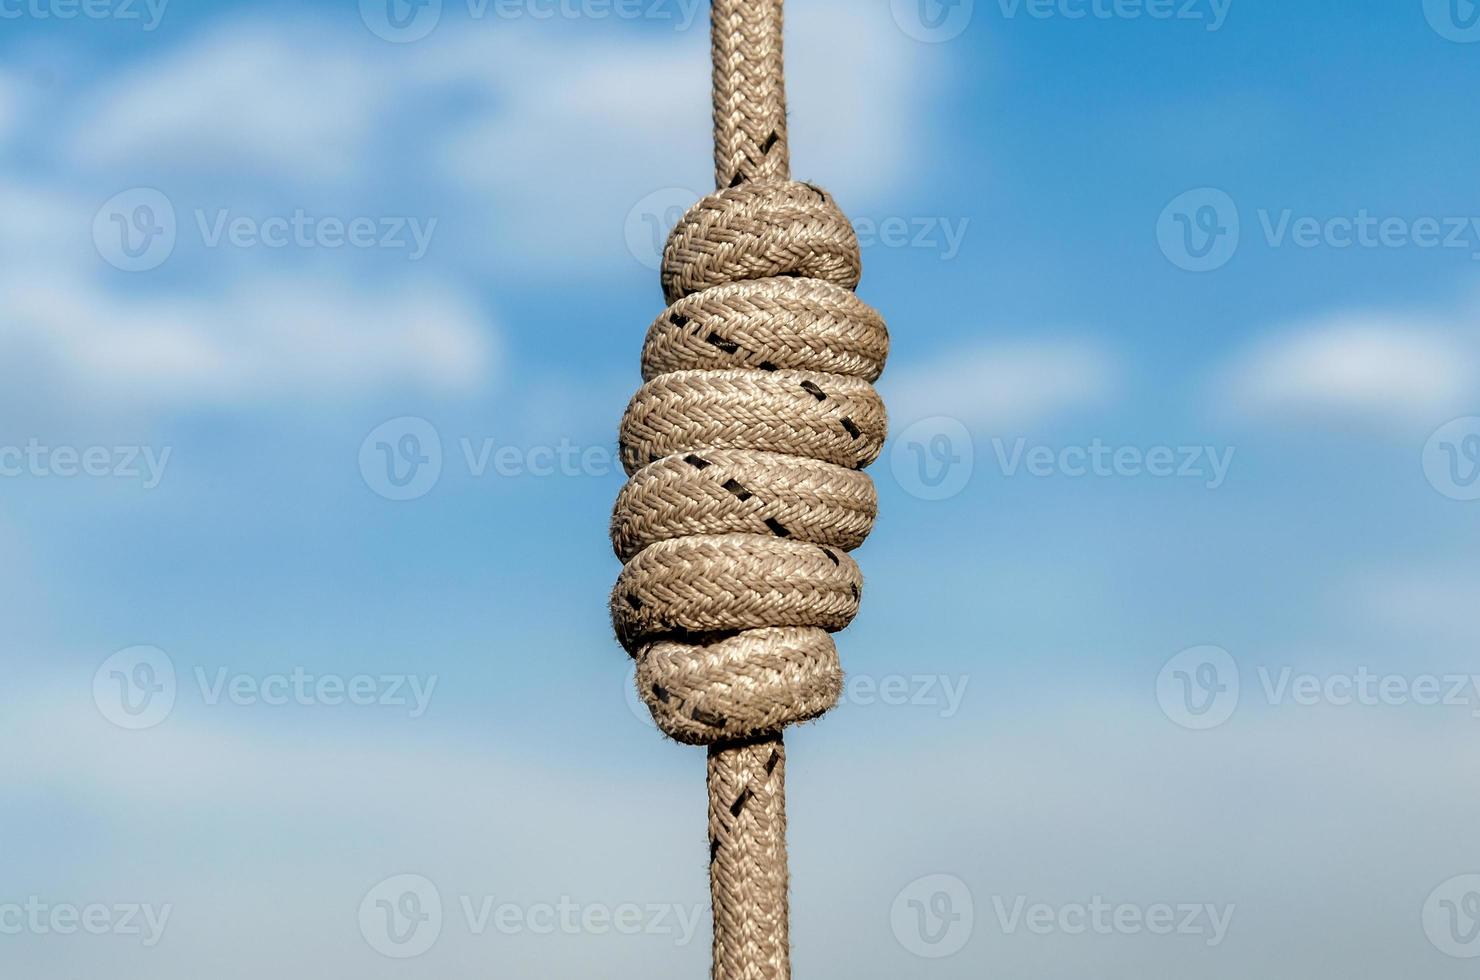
(744, 448)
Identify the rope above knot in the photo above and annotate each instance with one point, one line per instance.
(744, 448)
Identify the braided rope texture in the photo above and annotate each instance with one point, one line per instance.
(744, 448)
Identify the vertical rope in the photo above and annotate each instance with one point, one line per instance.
(747, 866)
(748, 876)
(745, 447)
(749, 93)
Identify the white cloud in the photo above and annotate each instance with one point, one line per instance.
(1382, 369)
(342, 807)
(859, 92)
(262, 337)
(612, 122)
(562, 137)
(291, 102)
(558, 165)
(9, 107)
(43, 225)
(1003, 383)
(540, 142)
(1435, 603)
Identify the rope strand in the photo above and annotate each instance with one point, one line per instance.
(744, 448)
(749, 92)
(747, 867)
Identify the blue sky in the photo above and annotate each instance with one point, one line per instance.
(1033, 189)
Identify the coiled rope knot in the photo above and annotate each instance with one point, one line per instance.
(744, 447)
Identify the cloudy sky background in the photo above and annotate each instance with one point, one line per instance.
(1036, 299)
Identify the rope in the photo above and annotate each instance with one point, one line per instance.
(744, 447)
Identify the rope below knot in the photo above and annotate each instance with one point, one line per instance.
(744, 448)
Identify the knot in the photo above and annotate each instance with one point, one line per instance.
(828, 417)
(744, 447)
(741, 686)
(790, 497)
(732, 582)
(757, 230)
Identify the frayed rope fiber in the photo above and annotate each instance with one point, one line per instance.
(745, 447)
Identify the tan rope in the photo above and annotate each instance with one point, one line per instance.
(744, 447)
